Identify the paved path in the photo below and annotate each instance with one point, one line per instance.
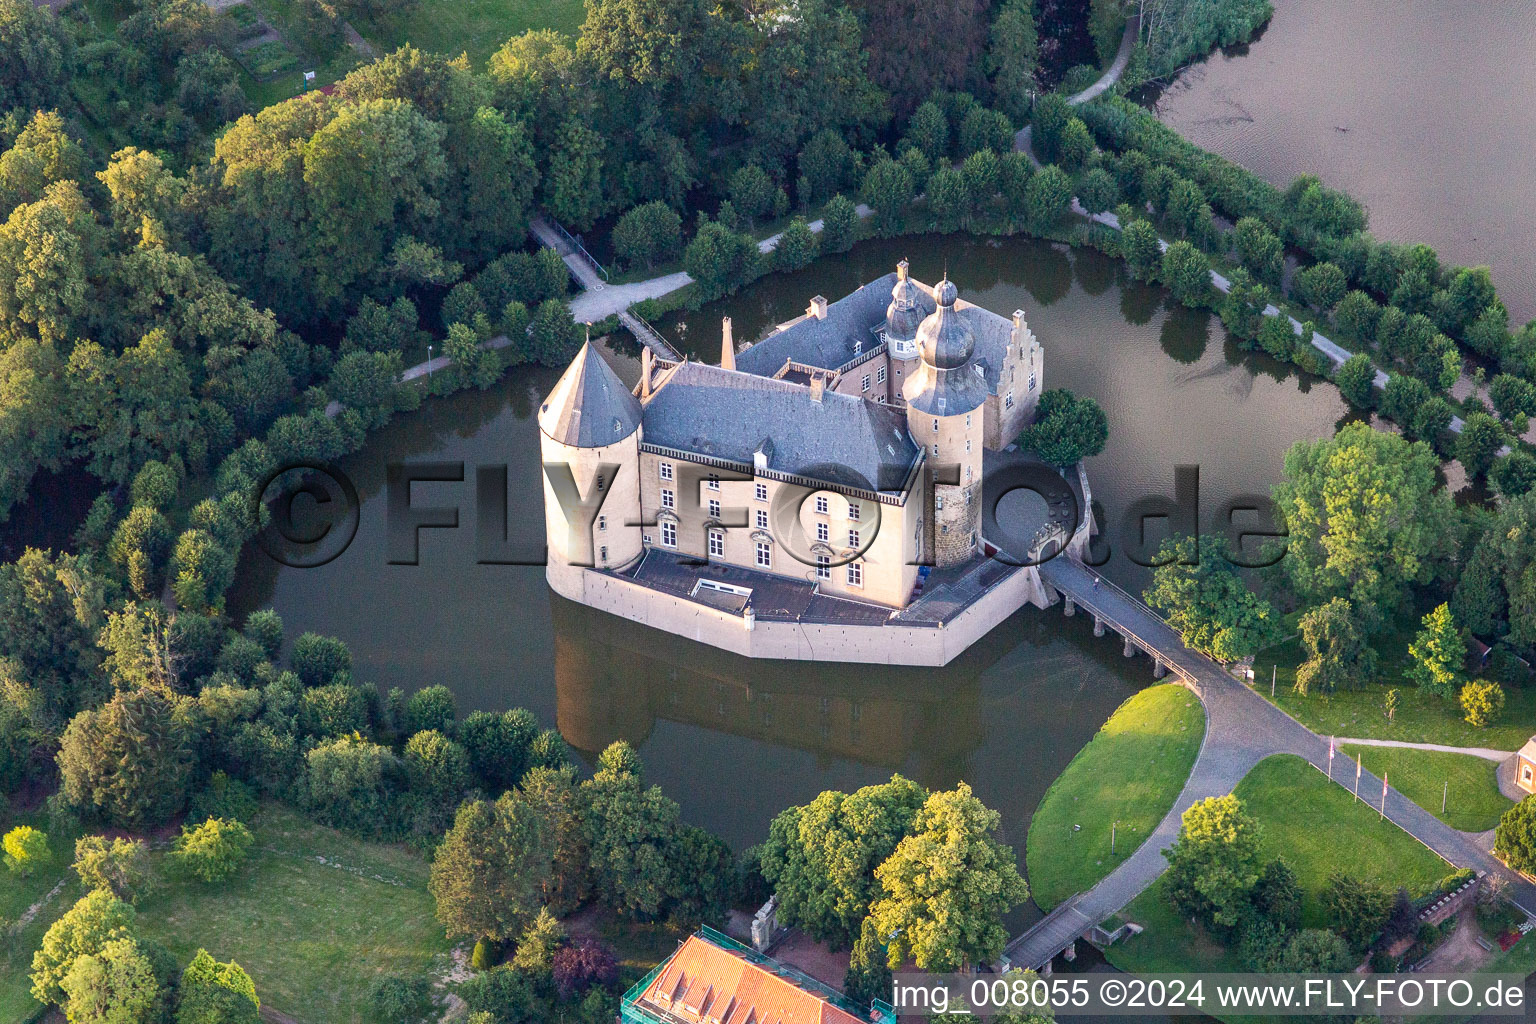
(1241, 729)
(1488, 753)
(1111, 75)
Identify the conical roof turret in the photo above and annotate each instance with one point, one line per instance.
(589, 406)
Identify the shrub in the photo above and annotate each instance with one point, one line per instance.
(1356, 379)
(222, 797)
(579, 967)
(437, 767)
(319, 659)
(402, 1000)
(1320, 286)
(432, 707)
(1483, 702)
(214, 850)
(25, 849)
(486, 954)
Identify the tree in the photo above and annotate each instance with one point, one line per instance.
(38, 54)
(1139, 245)
(751, 192)
(573, 184)
(1242, 311)
(1514, 474)
(839, 224)
(985, 129)
(1047, 198)
(553, 336)
(1098, 191)
(1482, 702)
(648, 234)
(95, 920)
(114, 985)
(1213, 864)
(127, 760)
(827, 165)
(1277, 895)
(498, 746)
(1320, 286)
(346, 782)
(948, 198)
(211, 992)
(1358, 314)
(402, 1000)
(1515, 838)
(1277, 338)
(1356, 908)
(582, 965)
(821, 858)
(201, 570)
(1356, 379)
(25, 849)
(491, 868)
(796, 246)
(437, 767)
(1259, 249)
(629, 830)
(1339, 655)
(214, 850)
(719, 259)
(1198, 591)
(947, 886)
(1050, 119)
(553, 795)
(1482, 439)
(916, 50)
(1439, 654)
(1366, 518)
(1186, 273)
(1012, 51)
(120, 866)
(888, 190)
(538, 943)
(1512, 396)
(869, 974)
(320, 659)
(928, 132)
(1067, 429)
(1316, 951)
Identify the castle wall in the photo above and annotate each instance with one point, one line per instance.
(614, 543)
(889, 644)
(886, 570)
(957, 508)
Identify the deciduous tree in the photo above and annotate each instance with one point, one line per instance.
(1197, 589)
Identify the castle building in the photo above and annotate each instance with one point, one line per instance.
(826, 471)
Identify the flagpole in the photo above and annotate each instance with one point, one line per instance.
(1357, 775)
(1383, 796)
(1330, 758)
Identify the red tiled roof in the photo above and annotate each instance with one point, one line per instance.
(705, 984)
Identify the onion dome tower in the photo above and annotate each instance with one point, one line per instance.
(903, 316)
(945, 399)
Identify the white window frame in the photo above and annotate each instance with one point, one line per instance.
(822, 506)
(853, 511)
(717, 543)
(762, 519)
(853, 538)
(880, 375)
(864, 383)
(760, 491)
(602, 523)
(1031, 382)
(856, 574)
(668, 533)
(822, 533)
(668, 498)
(1008, 400)
(714, 508)
(823, 567)
(602, 553)
(713, 482)
(763, 555)
(665, 469)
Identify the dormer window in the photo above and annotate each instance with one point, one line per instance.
(858, 345)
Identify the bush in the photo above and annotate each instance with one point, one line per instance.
(432, 707)
(578, 967)
(1320, 286)
(486, 954)
(25, 849)
(319, 659)
(214, 850)
(1483, 702)
(1356, 379)
(120, 866)
(402, 1000)
(222, 797)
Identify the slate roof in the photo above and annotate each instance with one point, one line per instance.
(589, 406)
(828, 343)
(728, 414)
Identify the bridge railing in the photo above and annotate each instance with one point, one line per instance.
(1156, 649)
(581, 250)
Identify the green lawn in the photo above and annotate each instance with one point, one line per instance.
(315, 917)
(1473, 802)
(1317, 828)
(1131, 772)
(1420, 718)
(478, 27)
(17, 895)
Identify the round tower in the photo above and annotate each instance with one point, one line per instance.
(944, 396)
(902, 318)
(590, 423)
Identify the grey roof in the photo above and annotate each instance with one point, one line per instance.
(589, 406)
(945, 337)
(731, 415)
(829, 343)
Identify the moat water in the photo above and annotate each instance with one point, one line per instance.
(1421, 110)
(734, 740)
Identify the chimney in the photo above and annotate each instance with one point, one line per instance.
(727, 345)
(901, 271)
(818, 307)
(1020, 331)
(818, 385)
(646, 359)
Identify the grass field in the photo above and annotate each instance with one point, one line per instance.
(477, 27)
(1317, 828)
(1420, 717)
(1130, 772)
(314, 917)
(1473, 802)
